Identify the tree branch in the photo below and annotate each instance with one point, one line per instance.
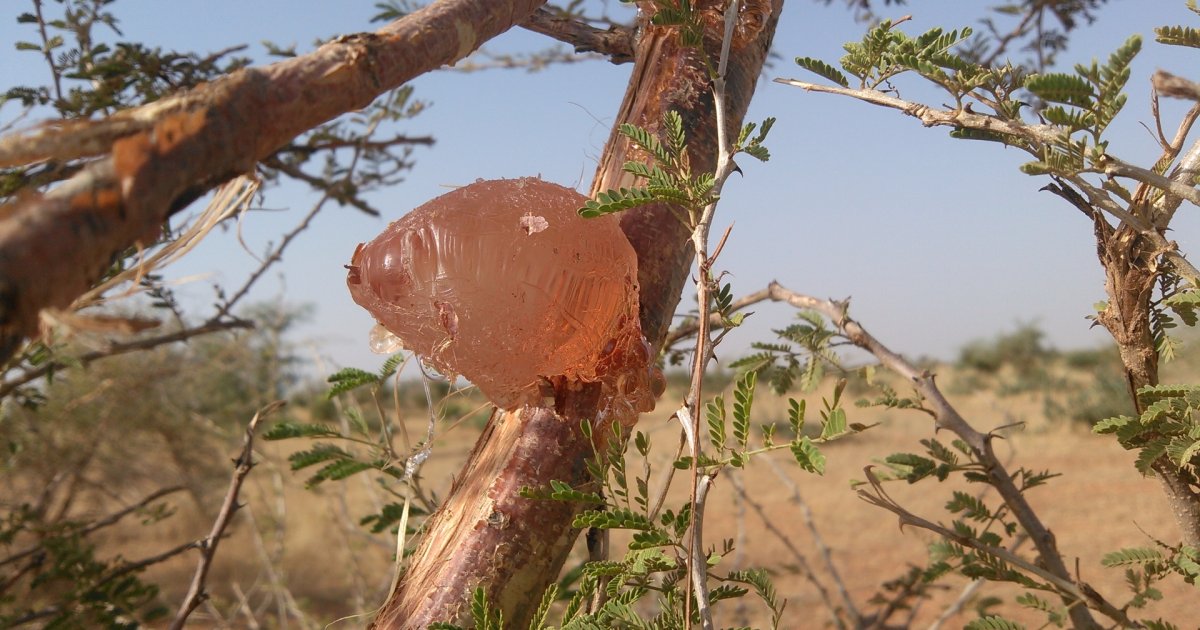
(947, 417)
(616, 42)
(1040, 135)
(208, 546)
(158, 158)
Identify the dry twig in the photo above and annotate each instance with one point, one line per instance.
(947, 417)
(208, 545)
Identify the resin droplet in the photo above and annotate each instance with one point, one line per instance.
(503, 283)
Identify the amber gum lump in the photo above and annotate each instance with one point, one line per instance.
(503, 283)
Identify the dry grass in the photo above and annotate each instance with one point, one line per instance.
(306, 545)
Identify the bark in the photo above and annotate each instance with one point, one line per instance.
(1130, 275)
(156, 159)
(485, 535)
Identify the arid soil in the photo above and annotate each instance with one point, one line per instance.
(312, 556)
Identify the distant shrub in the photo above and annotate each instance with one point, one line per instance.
(1021, 349)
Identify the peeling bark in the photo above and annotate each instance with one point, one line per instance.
(156, 159)
(485, 535)
(1130, 276)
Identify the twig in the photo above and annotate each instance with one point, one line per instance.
(687, 329)
(616, 42)
(797, 555)
(725, 166)
(1040, 135)
(208, 546)
(698, 567)
(819, 542)
(947, 417)
(46, 51)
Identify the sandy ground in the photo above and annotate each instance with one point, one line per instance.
(311, 554)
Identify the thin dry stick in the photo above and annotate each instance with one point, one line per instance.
(800, 558)
(947, 417)
(208, 545)
(818, 541)
(696, 579)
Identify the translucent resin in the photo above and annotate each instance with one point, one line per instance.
(503, 283)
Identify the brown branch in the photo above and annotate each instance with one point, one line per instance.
(616, 42)
(787, 539)
(1078, 591)
(687, 329)
(160, 157)
(208, 546)
(1170, 85)
(947, 417)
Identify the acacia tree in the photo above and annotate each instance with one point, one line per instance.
(696, 65)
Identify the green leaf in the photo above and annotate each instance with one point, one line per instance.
(561, 491)
(743, 394)
(335, 471)
(287, 430)
(647, 141)
(992, 622)
(1149, 454)
(616, 201)
(965, 133)
(970, 506)
(485, 616)
(389, 367)
(835, 424)
(796, 415)
(808, 455)
(613, 518)
(388, 516)
(1057, 87)
(543, 611)
(1187, 561)
(347, 379)
(650, 538)
(316, 455)
(758, 152)
(1111, 425)
(1056, 613)
(1177, 36)
(823, 69)
(676, 140)
(910, 466)
(28, 46)
(715, 412)
(1131, 555)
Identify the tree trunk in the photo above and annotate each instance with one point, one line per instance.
(486, 535)
(1130, 275)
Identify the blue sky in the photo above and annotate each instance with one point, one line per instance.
(937, 241)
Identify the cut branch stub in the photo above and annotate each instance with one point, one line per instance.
(502, 282)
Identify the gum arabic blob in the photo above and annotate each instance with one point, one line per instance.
(503, 283)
